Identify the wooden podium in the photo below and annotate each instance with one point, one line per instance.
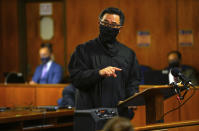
(153, 98)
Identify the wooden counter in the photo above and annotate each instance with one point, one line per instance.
(15, 95)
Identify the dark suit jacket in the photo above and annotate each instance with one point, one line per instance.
(54, 74)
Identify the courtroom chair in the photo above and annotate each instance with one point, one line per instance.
(68, 96)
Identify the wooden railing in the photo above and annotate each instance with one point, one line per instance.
(168, 125)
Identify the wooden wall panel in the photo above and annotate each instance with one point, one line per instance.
(9, 59)
(162, 18)
(188, 18)
(18, 96)
(48, 96)
(159, 18)
(141, 15)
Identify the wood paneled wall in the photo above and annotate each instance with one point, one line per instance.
(188, 18)
(159, 18)
(162, 18)
(9, 49)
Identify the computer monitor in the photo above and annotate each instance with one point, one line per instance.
(156, 77)
(14, 77)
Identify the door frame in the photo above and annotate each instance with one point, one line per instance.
(23, 62)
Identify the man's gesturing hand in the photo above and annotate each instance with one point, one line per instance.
(109, 71)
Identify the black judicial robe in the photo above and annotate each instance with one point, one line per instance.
(94, 90)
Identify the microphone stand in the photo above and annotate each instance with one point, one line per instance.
(177, 91)
(187, 85)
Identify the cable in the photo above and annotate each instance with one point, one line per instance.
(194, 90)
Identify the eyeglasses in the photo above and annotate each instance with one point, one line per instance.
(106, 23)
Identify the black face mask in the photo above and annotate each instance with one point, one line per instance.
(108, 34)
(44, 60)
(174, 63)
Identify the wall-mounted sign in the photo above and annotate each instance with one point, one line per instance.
(143, 38)
(45, 9)
(185, 37)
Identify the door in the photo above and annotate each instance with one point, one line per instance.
(44, 24)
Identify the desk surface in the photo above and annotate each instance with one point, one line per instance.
(28, 119)
(14, 115)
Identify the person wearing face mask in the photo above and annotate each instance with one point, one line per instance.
(48, 72)
(103, 70)
(174, 61)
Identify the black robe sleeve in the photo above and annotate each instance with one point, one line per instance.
(81, 73)
(134, 77)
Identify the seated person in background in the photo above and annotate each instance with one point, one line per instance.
(48, 72)
(174, 60)
(68, 97)
(118, 124)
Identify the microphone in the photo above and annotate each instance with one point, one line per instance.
(176, 73)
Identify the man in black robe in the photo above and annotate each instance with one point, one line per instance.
(103, 70)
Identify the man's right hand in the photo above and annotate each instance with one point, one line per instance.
(109, 71)
(32, 82)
